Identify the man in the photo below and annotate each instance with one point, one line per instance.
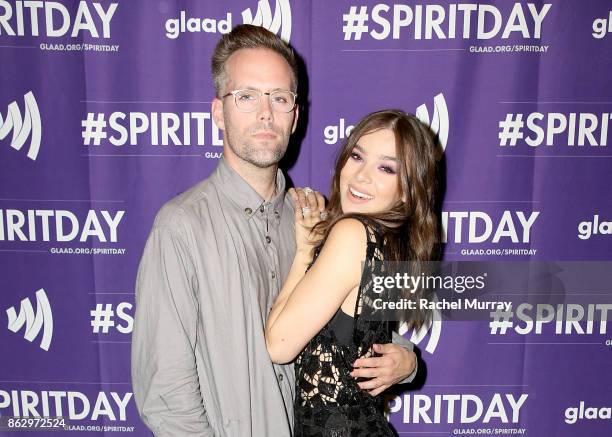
(215, 260)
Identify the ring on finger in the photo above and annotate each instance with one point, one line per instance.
(307, 191)
(324, 215)
(305, 210)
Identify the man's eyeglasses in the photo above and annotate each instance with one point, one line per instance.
(248, 100)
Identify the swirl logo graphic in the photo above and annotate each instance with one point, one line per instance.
(439, 121)
(23, 127)
(279, 23)
(34, 324)
(434, 328)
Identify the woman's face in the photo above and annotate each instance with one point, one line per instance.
(368, 180)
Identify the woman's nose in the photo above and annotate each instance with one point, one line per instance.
(363, 174)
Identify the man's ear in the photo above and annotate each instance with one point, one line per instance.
(217, 113)
(295, 118)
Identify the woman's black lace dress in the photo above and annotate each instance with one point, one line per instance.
(328, 400)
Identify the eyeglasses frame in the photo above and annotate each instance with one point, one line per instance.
(261, 93)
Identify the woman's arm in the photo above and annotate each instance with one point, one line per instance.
(308, 301)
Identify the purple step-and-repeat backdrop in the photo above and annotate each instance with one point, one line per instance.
(105, 115)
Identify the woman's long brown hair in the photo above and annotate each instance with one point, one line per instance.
(409, 229)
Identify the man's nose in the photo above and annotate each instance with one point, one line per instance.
(264, 112)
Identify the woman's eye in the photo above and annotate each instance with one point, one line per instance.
(388, 170)
(355, 156)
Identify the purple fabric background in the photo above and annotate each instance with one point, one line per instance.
(151, 73)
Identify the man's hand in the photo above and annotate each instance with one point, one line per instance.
(394, 364)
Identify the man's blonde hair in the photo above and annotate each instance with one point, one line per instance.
(247, 36)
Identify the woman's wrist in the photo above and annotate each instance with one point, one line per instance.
(303, 255)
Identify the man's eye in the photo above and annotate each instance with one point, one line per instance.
(280, 100)
(245, 97)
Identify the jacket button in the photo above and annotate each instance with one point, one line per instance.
(268, 239)
(248, 211)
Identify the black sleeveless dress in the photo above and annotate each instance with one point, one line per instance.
(329, 403)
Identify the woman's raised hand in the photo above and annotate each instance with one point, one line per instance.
(309, 210)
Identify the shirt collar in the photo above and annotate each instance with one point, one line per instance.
(239, 192)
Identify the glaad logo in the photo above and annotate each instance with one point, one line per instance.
(587, 229)
(281, 21)
(573, 414)
(22, 127)
(602, 26)
(434, 325)
(439, 123)
(278, 23)
(34, 324)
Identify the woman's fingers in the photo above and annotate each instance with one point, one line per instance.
(294, 197)
(296, 204)
(302, 198)
(310, 204)
(311, 199)
(320, 202)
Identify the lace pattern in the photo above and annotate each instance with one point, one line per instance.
(329, 403)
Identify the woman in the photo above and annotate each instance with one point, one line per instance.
(381, 208)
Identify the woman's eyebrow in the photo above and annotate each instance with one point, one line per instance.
(383, 157)
(387, 158)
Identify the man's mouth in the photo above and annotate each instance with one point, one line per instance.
(265, 135)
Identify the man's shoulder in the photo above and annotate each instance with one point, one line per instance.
(190, 204)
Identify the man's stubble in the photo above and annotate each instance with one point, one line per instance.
(259, 154)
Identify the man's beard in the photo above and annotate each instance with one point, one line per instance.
(260, 156)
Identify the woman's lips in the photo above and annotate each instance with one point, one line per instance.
(355, 198)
